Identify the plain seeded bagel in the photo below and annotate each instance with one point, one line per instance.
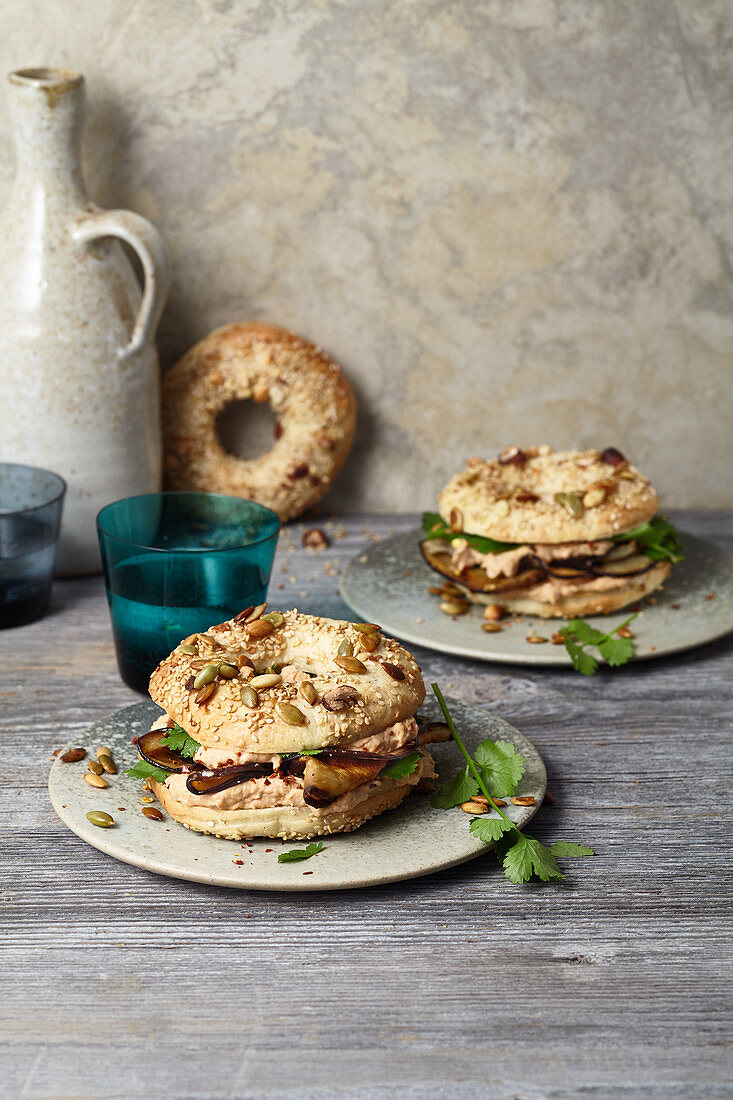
(579, 603)
(515, 498)
(287, 822)
(351, 704)
(314, 405)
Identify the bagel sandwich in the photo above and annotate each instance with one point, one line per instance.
(559, 534)
(285, 725)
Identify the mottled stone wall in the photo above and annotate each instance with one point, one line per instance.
(509, 220)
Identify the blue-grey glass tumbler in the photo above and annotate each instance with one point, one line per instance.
(31, 500)
(177, 563)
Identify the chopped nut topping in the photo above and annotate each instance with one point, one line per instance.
(340, 698)
(512, 456)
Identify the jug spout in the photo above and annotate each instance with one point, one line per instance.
(47, 112)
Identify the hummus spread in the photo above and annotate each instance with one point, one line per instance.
(507, 563)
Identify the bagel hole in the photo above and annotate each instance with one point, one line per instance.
(247, 429)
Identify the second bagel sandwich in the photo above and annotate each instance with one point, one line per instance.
(285, 725)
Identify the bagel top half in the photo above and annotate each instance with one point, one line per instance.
(351, 703)
(538, 495)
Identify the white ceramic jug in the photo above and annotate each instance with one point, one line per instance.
(79, 382)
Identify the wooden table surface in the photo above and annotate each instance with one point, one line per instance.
(117, 983)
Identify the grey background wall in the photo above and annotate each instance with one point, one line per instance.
(508, 220)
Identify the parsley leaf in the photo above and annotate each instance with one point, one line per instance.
(402, 768)
(565, 849)
(521, 856)
(501, 766)
(295, 854)
(461, 788)
(488, 828)
(181, 742)
(435, 527)
(143, 770)
(657, 539)
(615, 651)
(527, 857)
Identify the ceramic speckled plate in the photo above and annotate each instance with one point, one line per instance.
(410, 841)
(388, 584)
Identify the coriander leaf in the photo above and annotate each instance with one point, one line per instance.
(295, 854)
(402, 768)
(309, 752)
(527, 857)
(143, 770)
(565, 849)
(181, 742)
(435, 527)
(461, 788)
(616, 651)
(583, 662)
(489, 828)
(501, 766)
(584, 632)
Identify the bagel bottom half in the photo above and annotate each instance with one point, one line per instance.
(583, 601)
(284, 822)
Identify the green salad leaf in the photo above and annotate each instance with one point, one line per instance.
(295, 854)
(435, 527)
(143, 770)
(658, 539)
(402, 768)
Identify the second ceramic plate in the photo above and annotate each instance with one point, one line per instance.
(389, 584)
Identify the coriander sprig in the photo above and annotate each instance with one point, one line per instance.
(615, 651)
(521, 856)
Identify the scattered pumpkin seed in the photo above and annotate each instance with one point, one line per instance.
(72, 755)
(103, 750)
(153, 813)
(275, 617)
(207, 675)
(492, 628)
(266, 680)
(95, 767)
(249, 697)
(393, 671)
(366, 628)
(309, 693)
(523, 800)
(227, 671)
(536, 639)
(146, 798)
(261, 628)
(188, 648)
(369, 642)
(100, 818)
(474, 807)
(350, 664)
(290, 714)
(108, 764)
(346, 649)
(454, 607)
(205, 693)
(95, 780)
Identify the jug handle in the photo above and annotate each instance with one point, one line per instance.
(145, 239)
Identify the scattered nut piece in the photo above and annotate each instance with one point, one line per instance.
(536, 639)
(624, 632)
(512, 456)
(454, 607)
(72, 755)
(494, 611)
(316, 538)
(594, 497)
(523, 800)
(557, 639)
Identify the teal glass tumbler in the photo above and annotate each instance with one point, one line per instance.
(31, 500)
(177, 563)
